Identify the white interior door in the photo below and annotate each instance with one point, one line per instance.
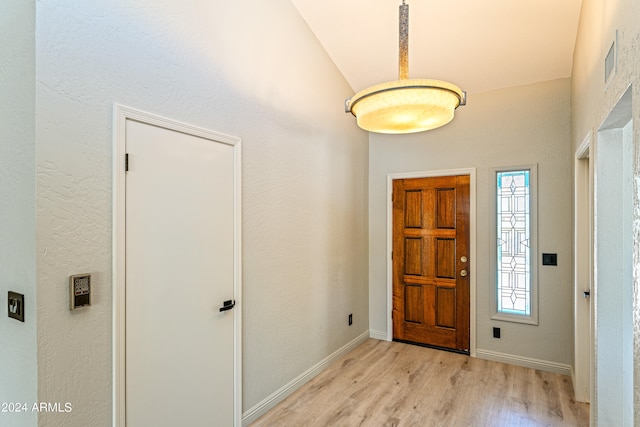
(180, 351)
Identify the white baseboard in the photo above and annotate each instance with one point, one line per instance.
(279, 395)
(527, 362)
(582, 396)
(378, 335)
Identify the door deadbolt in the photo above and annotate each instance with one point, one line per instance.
(463, 259)
(463, 273)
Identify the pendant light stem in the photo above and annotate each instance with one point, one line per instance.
(403, 66)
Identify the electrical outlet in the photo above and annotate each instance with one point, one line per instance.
(496, 332)
(16, 306)
(350, 319)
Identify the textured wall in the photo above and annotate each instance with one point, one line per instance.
(250, 69)
(17, 207)
(592, 102)
(515, 126)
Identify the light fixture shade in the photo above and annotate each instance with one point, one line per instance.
(406, 105)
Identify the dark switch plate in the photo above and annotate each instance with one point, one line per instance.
(496, 332)
(15, 306)
(549, 259)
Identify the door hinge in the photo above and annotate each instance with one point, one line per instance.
(126, 162)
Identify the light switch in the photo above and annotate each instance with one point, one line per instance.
(16, 306)
(549, 259)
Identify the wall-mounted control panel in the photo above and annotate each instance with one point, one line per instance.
(16, 306)
(79, 291)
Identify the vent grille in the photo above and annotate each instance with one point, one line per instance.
(610, 61)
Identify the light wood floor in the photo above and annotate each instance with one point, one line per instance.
(384, 383)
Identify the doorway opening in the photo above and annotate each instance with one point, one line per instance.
(613, 268)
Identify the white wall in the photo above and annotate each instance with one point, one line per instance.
(250, 69)
(614, 281)
(592, 102)
(17, 207)
(515, 126)
(591, 98)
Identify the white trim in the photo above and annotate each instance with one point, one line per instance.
(283, 392)
(527, 362)
(119, 257)
(120, 115)
(472, 244)
(583, 150)
(532, 318)
(379, 335)
(581, 371)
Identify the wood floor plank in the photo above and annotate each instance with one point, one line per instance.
(384, 383)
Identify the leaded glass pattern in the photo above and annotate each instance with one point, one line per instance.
(514, 243)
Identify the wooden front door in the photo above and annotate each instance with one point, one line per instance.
(431, 261)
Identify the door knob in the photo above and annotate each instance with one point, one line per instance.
(463, 273)
(227, 305)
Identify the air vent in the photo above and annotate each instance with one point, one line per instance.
(610, 61)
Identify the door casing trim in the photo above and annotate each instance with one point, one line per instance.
(582, 375)
(472, 244)
(121, 114)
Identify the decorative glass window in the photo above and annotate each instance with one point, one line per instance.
(514, 236)
(514, 253)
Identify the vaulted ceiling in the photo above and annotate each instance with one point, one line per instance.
(479, 45)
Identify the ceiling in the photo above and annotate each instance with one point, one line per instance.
(479, 45)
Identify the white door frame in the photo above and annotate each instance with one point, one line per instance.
(582, 370)
(120, 116)
(472, 244)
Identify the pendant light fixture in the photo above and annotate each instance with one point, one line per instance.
(405, 105)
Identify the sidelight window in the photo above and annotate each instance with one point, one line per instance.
(514, 260)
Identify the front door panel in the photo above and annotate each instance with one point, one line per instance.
(431, 261)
